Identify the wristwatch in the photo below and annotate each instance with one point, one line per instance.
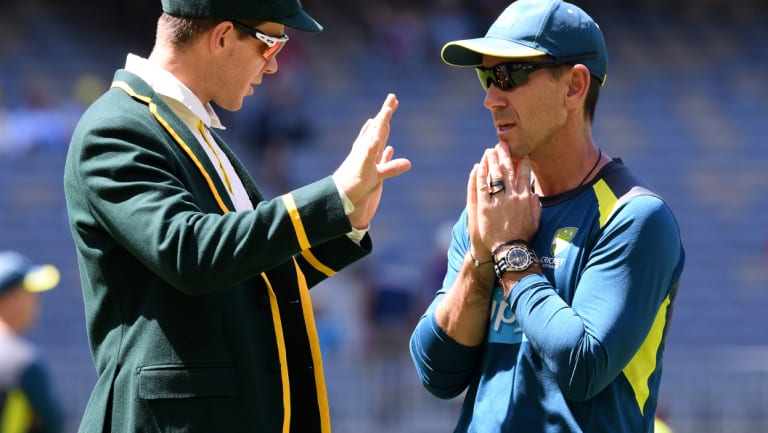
(513, 257)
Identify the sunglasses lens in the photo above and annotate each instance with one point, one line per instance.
(500, 76)
(505, 76)
(273, 50)
(486, 78)
(504, 80)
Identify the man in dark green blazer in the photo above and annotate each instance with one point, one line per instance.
(195, 286)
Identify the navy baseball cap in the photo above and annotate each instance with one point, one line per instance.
(286, 12)
(531, 28)
(16, 270)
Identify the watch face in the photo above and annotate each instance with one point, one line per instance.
(518, 258)
(515, 259)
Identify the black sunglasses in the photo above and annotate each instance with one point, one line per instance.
(506, 76)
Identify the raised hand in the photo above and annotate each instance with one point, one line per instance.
(477, 249)
(369, 162)
(507, 209)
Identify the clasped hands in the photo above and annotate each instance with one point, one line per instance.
(500, 203)
(361, 175)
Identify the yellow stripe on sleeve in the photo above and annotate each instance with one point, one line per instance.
(312, 260)
(643, 364)
(298, 226)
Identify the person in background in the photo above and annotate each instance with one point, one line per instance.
(660, 426)
(196, 286)
(28, 403)
(661, 421)
(564, 266)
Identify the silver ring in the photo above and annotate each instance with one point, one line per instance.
(497, 182)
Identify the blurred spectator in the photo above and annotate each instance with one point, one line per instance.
(38, 122)
(659, 426)
(436, 265)
(765, 250)
(30, 125)
(400, 32)
(660, 421)
(392, 294)
(447, 20)
(27, 402)
(87, 88)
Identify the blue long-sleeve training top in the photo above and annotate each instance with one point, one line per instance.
(579, 348)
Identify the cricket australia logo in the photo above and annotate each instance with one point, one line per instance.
(560, 242)
(562, 239)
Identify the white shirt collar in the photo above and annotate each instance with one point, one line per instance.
(166, 84)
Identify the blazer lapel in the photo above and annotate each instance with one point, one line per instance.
(180, 132)
(250, 186)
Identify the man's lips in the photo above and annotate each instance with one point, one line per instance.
(502, 127)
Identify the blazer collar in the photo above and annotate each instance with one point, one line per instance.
(166, 84)
(163, 113)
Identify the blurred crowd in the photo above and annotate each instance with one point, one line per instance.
(57, 57)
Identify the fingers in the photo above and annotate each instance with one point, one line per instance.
(377, 148)
(482, 184)
(387, 154)
(494, 169)
(388, 167)
(496, 172)
(517, 174)
(393, 168)
(471, 188)
(523, 182)
(472, 194)
(365, 127)
(504, 206)
(384, 116)
(368, 162)
(388, 108)
(376, 130)
(379, 127)
(506, 163)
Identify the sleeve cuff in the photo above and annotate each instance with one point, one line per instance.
(349, 207)
(357, 235)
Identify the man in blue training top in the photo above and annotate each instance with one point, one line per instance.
(574, 258)
(27, 402)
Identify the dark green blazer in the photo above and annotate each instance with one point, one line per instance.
(199, 318)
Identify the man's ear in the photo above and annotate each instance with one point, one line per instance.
(578, 86)
(220, 36)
